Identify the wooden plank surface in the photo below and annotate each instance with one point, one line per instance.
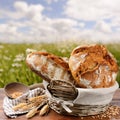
(54, 116)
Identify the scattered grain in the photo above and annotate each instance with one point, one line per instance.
(111, 112)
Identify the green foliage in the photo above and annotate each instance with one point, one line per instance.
(13, 66)
(115, 50)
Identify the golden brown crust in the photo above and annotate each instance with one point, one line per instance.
(90, 58)
(56, 59)
(97, 55)
(49, 66)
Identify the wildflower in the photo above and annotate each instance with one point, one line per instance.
(16, 65)
(19, 58)
(63, 51)
(30, 50)
(1, 46)
(12, 70)
(1, 70)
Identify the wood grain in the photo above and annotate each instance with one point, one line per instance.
(54, 116)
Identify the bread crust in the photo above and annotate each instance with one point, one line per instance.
(86, 60)
(49, 66)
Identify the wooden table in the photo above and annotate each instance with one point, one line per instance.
(54, 116)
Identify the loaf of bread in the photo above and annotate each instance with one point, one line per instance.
(93, 66)
(49, 66)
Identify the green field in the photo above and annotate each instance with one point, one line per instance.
(13, 66)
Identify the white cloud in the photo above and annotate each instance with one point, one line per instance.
(51, 1)
(81, 24)
(53, 29)
(37, 27)
(40, 27)
(91, 35)
(23, 10)
(118, 29)
(92, 10)
(63, 25)
(115, 22)
(103, 27)
(21, 6)
(7, 28)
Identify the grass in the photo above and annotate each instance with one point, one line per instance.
(12, 60)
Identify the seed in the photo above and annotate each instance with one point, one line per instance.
(20, 105)
(109, 113)
(44, 110)
(33, 99)
(31, 113)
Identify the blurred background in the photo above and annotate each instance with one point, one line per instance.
(55, 26)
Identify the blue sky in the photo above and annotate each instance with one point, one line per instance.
(55, 20)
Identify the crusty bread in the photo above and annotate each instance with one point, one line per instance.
(93, 66)
(49, 66)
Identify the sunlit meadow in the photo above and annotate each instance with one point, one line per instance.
(13, 66)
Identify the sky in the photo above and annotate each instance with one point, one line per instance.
(35, 21)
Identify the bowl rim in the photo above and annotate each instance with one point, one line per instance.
(11, 84)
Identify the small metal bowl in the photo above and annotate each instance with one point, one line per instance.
(15, 89)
